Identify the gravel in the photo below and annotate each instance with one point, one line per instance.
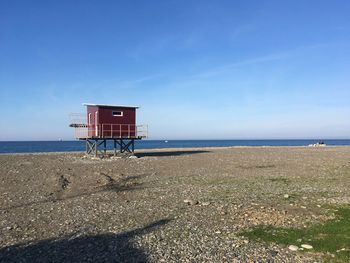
(172, 205)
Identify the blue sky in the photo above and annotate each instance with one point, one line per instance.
(198, 69)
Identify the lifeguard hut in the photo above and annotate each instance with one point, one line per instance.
(104, 122)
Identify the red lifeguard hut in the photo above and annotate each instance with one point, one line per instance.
(103, 122)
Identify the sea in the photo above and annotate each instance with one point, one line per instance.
(73, 146)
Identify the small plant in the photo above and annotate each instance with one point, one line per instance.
(333, 236)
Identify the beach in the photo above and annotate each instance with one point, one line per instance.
(167, 205)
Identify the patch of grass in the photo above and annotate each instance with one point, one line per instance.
(279, 180)
(331, 236)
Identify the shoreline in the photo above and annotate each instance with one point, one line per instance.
(190, 148)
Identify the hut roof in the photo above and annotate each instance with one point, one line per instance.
(110, 105)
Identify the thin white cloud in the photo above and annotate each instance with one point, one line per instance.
(257, 60)
(221, 69)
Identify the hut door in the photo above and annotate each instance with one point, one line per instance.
(96, 123)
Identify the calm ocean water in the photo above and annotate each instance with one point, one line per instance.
(69, 146)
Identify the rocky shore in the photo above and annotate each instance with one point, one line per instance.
(172, 205)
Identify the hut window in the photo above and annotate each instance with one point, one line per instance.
(89, 119)
(117, 113)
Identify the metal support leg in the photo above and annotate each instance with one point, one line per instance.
(125, 146)
(115, 147)
(94, 146)
(89, 146)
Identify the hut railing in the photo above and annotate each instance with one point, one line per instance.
(110, 130)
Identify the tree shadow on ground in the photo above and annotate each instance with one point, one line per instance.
(123, 185)
(76, 248)
(168, 153)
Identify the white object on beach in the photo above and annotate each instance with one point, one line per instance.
(190, 202)
(317, 145)
(293, 248)
(306, 246)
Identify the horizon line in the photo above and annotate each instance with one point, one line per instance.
(260, 139)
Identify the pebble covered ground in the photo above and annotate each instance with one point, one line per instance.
(169, 205)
